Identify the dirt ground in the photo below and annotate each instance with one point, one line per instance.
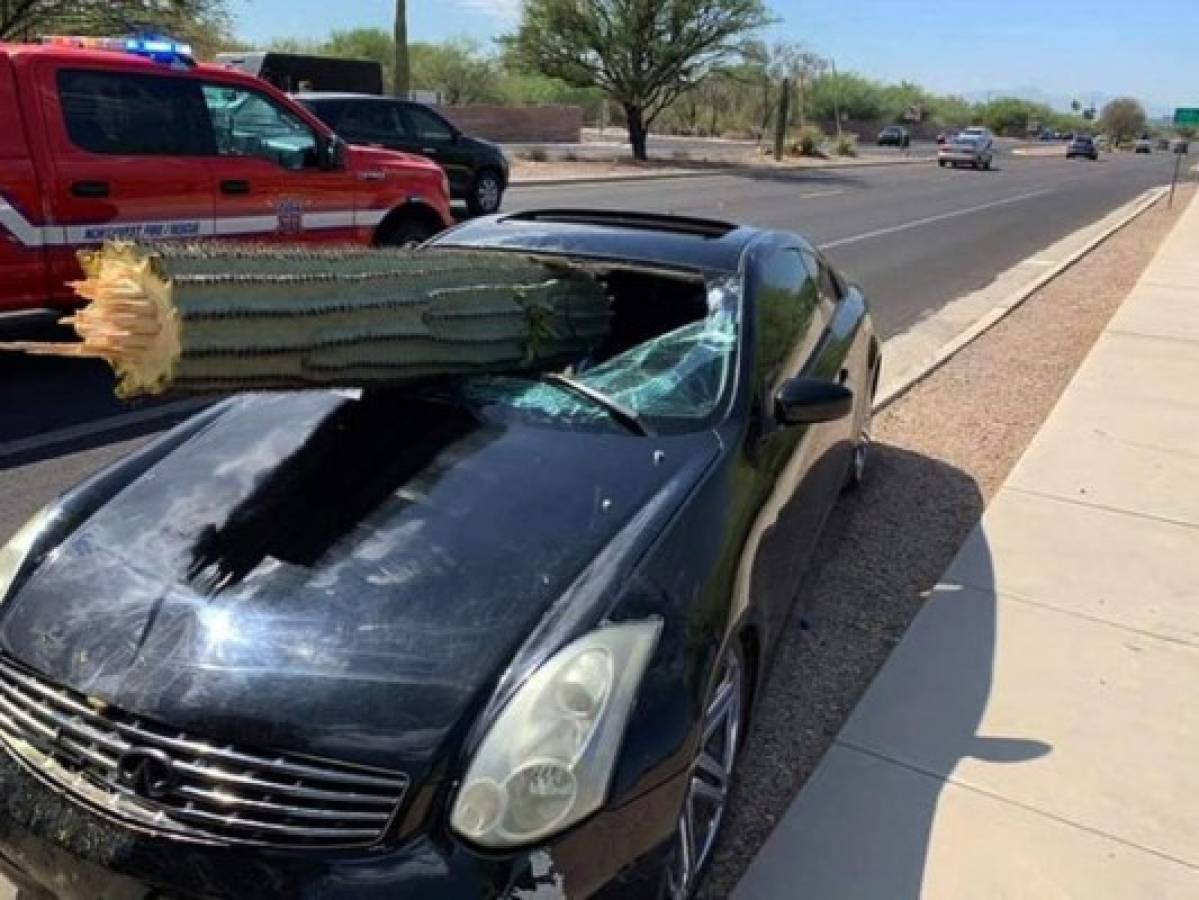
(941, 452)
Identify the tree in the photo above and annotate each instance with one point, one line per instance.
(1124, 118)
(400, 74)
(642, 53)
(22, 20)
(457, 70)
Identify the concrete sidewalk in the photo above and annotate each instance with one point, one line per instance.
(1036, 732)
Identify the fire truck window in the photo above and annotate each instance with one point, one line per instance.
(246, 123)
(142, 115)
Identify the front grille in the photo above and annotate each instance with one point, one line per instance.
(211, 792)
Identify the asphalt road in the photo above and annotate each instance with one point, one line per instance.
(914, 237)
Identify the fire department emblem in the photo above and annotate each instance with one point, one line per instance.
(291, 216)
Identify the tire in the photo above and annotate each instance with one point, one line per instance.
(404, 232)
(987, 165)
(941, 163)
(861, 450)
(712, 770)
(486, 193)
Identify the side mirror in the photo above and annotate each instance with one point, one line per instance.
(806, 401)
(333, 154)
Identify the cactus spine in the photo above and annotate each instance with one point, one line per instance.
(211, 317)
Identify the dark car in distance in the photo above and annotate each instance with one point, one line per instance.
(489, 637)
(894, 136)
(1082, 145)
(478, 170)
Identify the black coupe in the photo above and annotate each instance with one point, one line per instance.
(494, 637)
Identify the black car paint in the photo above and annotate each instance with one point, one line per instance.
(708, 531)
(462, 157)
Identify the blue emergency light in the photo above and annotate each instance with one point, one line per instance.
(160, 49)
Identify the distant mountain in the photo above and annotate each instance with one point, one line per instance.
(1060, 102)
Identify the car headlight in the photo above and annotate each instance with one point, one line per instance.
(547, 759)
(14, 553)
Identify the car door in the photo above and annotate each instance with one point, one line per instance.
(434, 137)
(790, 325)
(271, 184)
(128, 157)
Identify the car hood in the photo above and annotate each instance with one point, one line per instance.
(341, 577)
(378, 157)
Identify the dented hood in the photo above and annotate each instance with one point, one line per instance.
(337, 576)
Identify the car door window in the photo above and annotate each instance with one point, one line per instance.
(247, 123)
(371, 122)
(427, 128)
(137, 115)
(787, 318)
(831, 289)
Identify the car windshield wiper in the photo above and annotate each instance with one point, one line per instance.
(629, 418)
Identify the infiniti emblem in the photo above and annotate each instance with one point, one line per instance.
(147, 772)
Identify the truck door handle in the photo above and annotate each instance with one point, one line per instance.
(89, 188)
(235, 186)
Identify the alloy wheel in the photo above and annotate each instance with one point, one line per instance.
(711, 777)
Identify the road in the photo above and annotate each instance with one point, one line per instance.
(914, 237)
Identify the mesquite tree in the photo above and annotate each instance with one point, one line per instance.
(29, 19)
(643, 53)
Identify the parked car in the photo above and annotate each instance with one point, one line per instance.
(477, 169)
(443, 641)
(1082, 145)
(894, 136)
(105, 139)
(1144, 144)
(1162, 143)
(970, 148)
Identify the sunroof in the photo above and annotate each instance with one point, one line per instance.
(646, 221)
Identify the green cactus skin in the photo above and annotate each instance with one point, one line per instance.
(270, 317)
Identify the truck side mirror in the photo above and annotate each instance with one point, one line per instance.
(333, 154)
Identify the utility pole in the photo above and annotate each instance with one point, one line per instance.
(836, 95)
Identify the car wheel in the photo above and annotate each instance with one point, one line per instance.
(486, 193)
(987, 164)
(861, 451)
(405, 233)
(711, 776)
(941, 163)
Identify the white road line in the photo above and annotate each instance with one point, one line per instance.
(929, 220)
(821, 194)
(89, 429)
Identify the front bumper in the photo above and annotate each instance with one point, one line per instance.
(49, 843)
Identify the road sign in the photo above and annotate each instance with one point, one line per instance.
(1186, 116)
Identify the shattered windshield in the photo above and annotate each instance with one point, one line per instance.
(675, 381)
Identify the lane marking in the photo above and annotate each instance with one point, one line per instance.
(832, 193)
(100, 426)
(930, 220)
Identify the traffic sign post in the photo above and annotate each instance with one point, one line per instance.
(1183, 116)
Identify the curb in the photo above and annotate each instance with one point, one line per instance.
(1000, 311)
(714, 173)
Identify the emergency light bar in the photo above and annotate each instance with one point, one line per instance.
(161, 50)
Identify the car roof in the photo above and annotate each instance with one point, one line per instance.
(68, 55)
(653, 239)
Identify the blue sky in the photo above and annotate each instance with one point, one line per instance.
(1062, 48)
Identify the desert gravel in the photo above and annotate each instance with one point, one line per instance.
(942, 451)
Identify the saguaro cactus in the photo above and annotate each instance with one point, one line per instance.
(211, 317)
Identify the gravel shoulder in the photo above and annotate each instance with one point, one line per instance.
(942, 451)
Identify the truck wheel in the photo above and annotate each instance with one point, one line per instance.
(486, 193)
(404, 232)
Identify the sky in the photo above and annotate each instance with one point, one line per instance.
(1048, 49)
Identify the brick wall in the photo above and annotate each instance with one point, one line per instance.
(518, 124)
